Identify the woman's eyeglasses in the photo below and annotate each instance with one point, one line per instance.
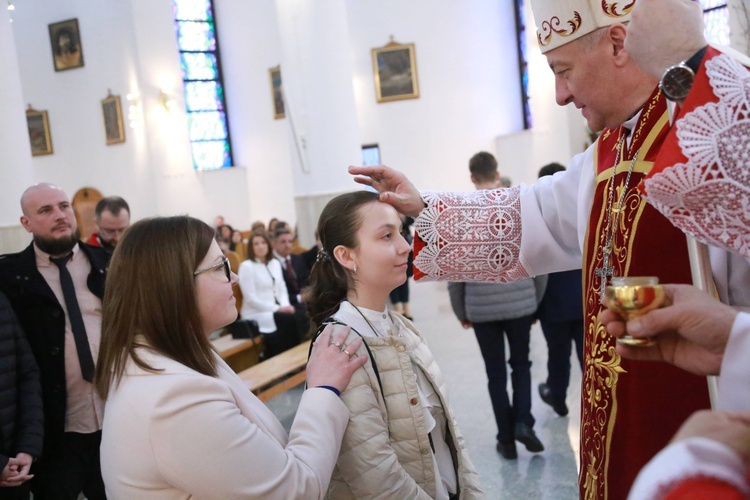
(224, 262)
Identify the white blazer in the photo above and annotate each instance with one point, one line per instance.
(179, 434)
(263, 292)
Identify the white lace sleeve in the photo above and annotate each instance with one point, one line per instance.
(708, 197)
(470, 236)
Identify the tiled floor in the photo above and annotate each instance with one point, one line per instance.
(547, 475)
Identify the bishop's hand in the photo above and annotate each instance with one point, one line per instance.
(393, 186)
(691, 331)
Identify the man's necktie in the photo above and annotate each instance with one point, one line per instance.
(76, 319)
(290, 273)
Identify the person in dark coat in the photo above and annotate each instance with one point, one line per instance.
(561, 315)
(34, 284)
(21, 414)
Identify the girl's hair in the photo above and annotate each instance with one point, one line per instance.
(151, 293)
(265, 259)
(330, 281)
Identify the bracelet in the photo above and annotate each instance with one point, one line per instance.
(332, 389)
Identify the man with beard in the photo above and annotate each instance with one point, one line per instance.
(55, 287)
(112, 218)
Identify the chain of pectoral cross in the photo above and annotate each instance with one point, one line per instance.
(613, 217)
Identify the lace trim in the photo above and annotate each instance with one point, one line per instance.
(708, 197)
(471, 236)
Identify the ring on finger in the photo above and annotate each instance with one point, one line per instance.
(336, 343)
(347, 353)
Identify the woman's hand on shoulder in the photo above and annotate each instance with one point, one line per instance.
(332, 362)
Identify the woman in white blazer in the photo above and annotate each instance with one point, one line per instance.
(178, 422)
(265, 298)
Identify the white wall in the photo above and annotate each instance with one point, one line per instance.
(16, 170)
(81, 156)
(468, 84)
(739, 25)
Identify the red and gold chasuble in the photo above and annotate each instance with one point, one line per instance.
(629, 409)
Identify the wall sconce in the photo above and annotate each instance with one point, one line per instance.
(11, 7)
(134, 109)
(166, 101)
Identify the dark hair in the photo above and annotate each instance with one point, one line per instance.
(151, 293)
(483, 166)
(112, 204)
(550, 169)
(251, 252)
(329, 280)
(281, 228)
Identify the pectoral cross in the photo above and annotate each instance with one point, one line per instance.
(604, 272)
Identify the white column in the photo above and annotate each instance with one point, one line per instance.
(16, 168)
(739, 25)
(317, 75)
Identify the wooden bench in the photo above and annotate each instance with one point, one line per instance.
(278, 374)
(239, 354)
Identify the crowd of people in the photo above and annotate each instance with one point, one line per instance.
(110, 388)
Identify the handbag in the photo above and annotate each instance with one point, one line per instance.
(244, 329)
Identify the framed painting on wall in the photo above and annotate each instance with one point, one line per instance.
(114, 129)
(39, 134)
(276, 93)
(395, 70)
(65, 39)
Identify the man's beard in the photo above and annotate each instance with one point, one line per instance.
(59, 246)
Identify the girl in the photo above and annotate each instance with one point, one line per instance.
(265, 298)
(402, 440)
(179, 423)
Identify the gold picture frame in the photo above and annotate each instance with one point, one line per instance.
(65, 41)
(114, 129)
(395, 69)
(277, 93)
(39, 132)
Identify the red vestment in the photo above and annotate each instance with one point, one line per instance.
(630, 409)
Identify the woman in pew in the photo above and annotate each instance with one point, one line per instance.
(402, 440)
(179, 423)
(265, 298)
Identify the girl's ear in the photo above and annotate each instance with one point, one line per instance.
(345, 257)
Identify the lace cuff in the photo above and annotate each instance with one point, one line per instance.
(708, 196)
(469, 237)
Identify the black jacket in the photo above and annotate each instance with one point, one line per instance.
(43, 320)
(302, 275)
(21, 415)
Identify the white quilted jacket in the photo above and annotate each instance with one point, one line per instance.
(386, 451)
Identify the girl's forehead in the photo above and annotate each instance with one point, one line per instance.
(379, 213)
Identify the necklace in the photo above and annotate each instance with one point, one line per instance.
(613, 217)
(390, 332)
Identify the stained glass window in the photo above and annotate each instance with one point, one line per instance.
(716, 21)
(204, 89)
(523, 64)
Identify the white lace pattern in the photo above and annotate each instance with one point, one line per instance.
(709, 196)
(471, 236)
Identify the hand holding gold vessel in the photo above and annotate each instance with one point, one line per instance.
(632, 297)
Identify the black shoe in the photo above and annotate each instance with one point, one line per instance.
(546, 394)
(508, 451)
(525, 435)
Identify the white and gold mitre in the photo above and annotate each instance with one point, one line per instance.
(561, 21)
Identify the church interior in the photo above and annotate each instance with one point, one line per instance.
(116, 119)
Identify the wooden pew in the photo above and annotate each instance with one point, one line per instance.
(239, 354)
(278, 374)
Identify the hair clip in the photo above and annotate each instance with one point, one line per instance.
(322, 256)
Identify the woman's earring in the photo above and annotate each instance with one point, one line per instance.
(355, 268)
